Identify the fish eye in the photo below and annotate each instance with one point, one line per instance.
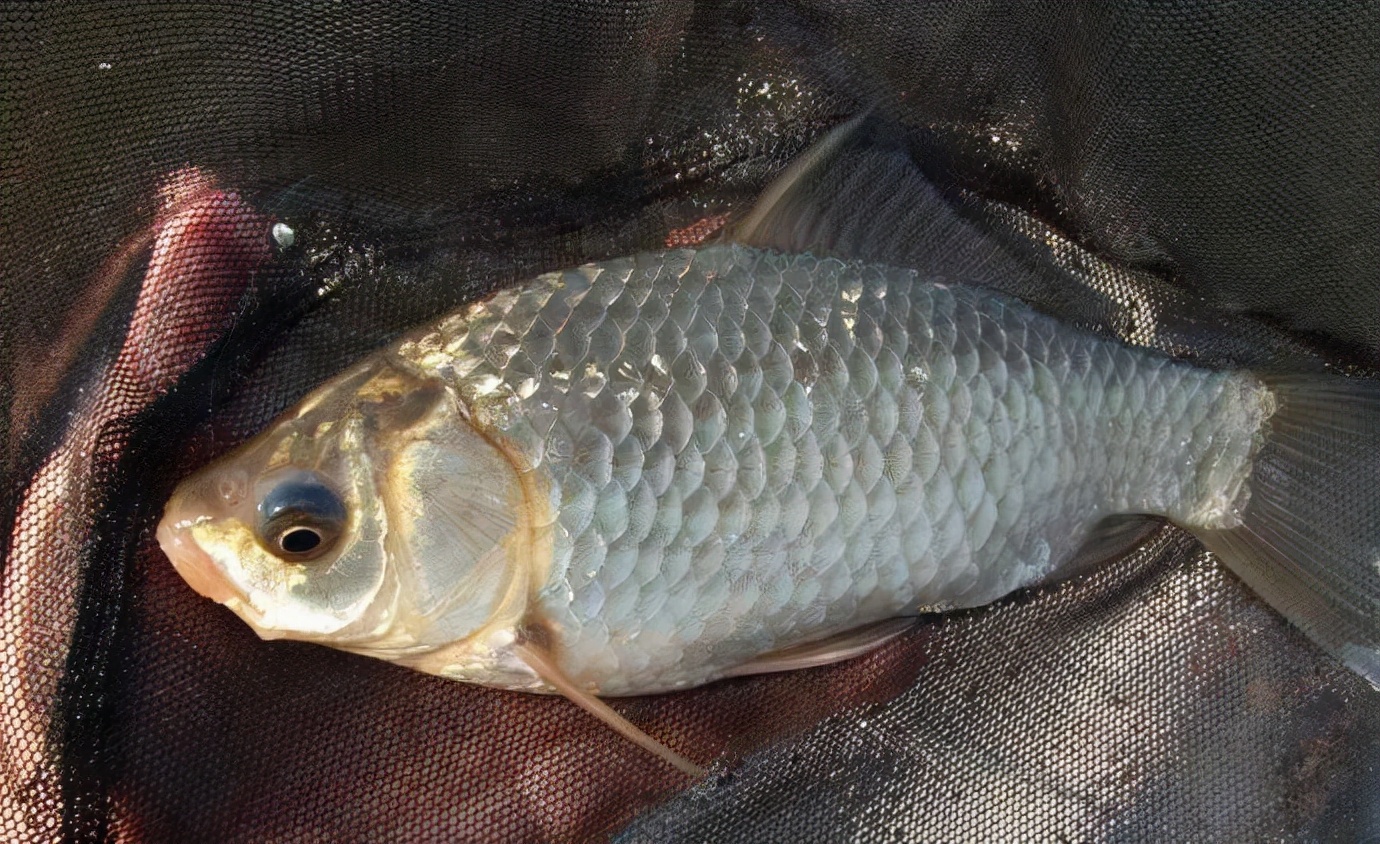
(301, 517)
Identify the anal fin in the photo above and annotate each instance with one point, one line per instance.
(1111, 538)
(826, 651)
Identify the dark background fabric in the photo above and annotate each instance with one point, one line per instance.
(1197, 178)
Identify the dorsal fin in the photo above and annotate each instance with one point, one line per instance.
(777, 206)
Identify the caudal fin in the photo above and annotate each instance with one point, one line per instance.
(1310, 539)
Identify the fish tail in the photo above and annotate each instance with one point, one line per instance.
(1309, 538)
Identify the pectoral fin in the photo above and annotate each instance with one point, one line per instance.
(836, 648)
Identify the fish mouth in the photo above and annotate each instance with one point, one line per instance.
(193, 563)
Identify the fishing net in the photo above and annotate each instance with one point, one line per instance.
(208, 209)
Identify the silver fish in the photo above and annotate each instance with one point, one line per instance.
(654, 472)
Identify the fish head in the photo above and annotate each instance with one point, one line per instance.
(373, 517)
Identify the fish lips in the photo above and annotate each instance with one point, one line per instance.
(191, 562)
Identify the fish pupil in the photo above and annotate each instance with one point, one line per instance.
(299, 540)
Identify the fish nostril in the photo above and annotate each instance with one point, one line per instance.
(232, 488)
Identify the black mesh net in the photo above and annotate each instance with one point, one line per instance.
(1197, 178)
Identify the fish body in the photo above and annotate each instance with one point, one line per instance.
(667, 467)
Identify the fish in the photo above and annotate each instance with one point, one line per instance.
(653, 472)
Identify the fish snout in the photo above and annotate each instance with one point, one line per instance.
(192, 506)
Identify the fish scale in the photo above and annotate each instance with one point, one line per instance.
(745, 449)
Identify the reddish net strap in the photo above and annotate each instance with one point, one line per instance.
(205, 246)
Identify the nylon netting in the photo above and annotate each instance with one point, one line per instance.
(1198, 178)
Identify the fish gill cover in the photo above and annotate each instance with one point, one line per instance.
(207, 210)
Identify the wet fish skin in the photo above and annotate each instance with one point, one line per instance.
(676, 462)
(746, 449)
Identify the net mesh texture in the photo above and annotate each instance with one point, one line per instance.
(1196, 178)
